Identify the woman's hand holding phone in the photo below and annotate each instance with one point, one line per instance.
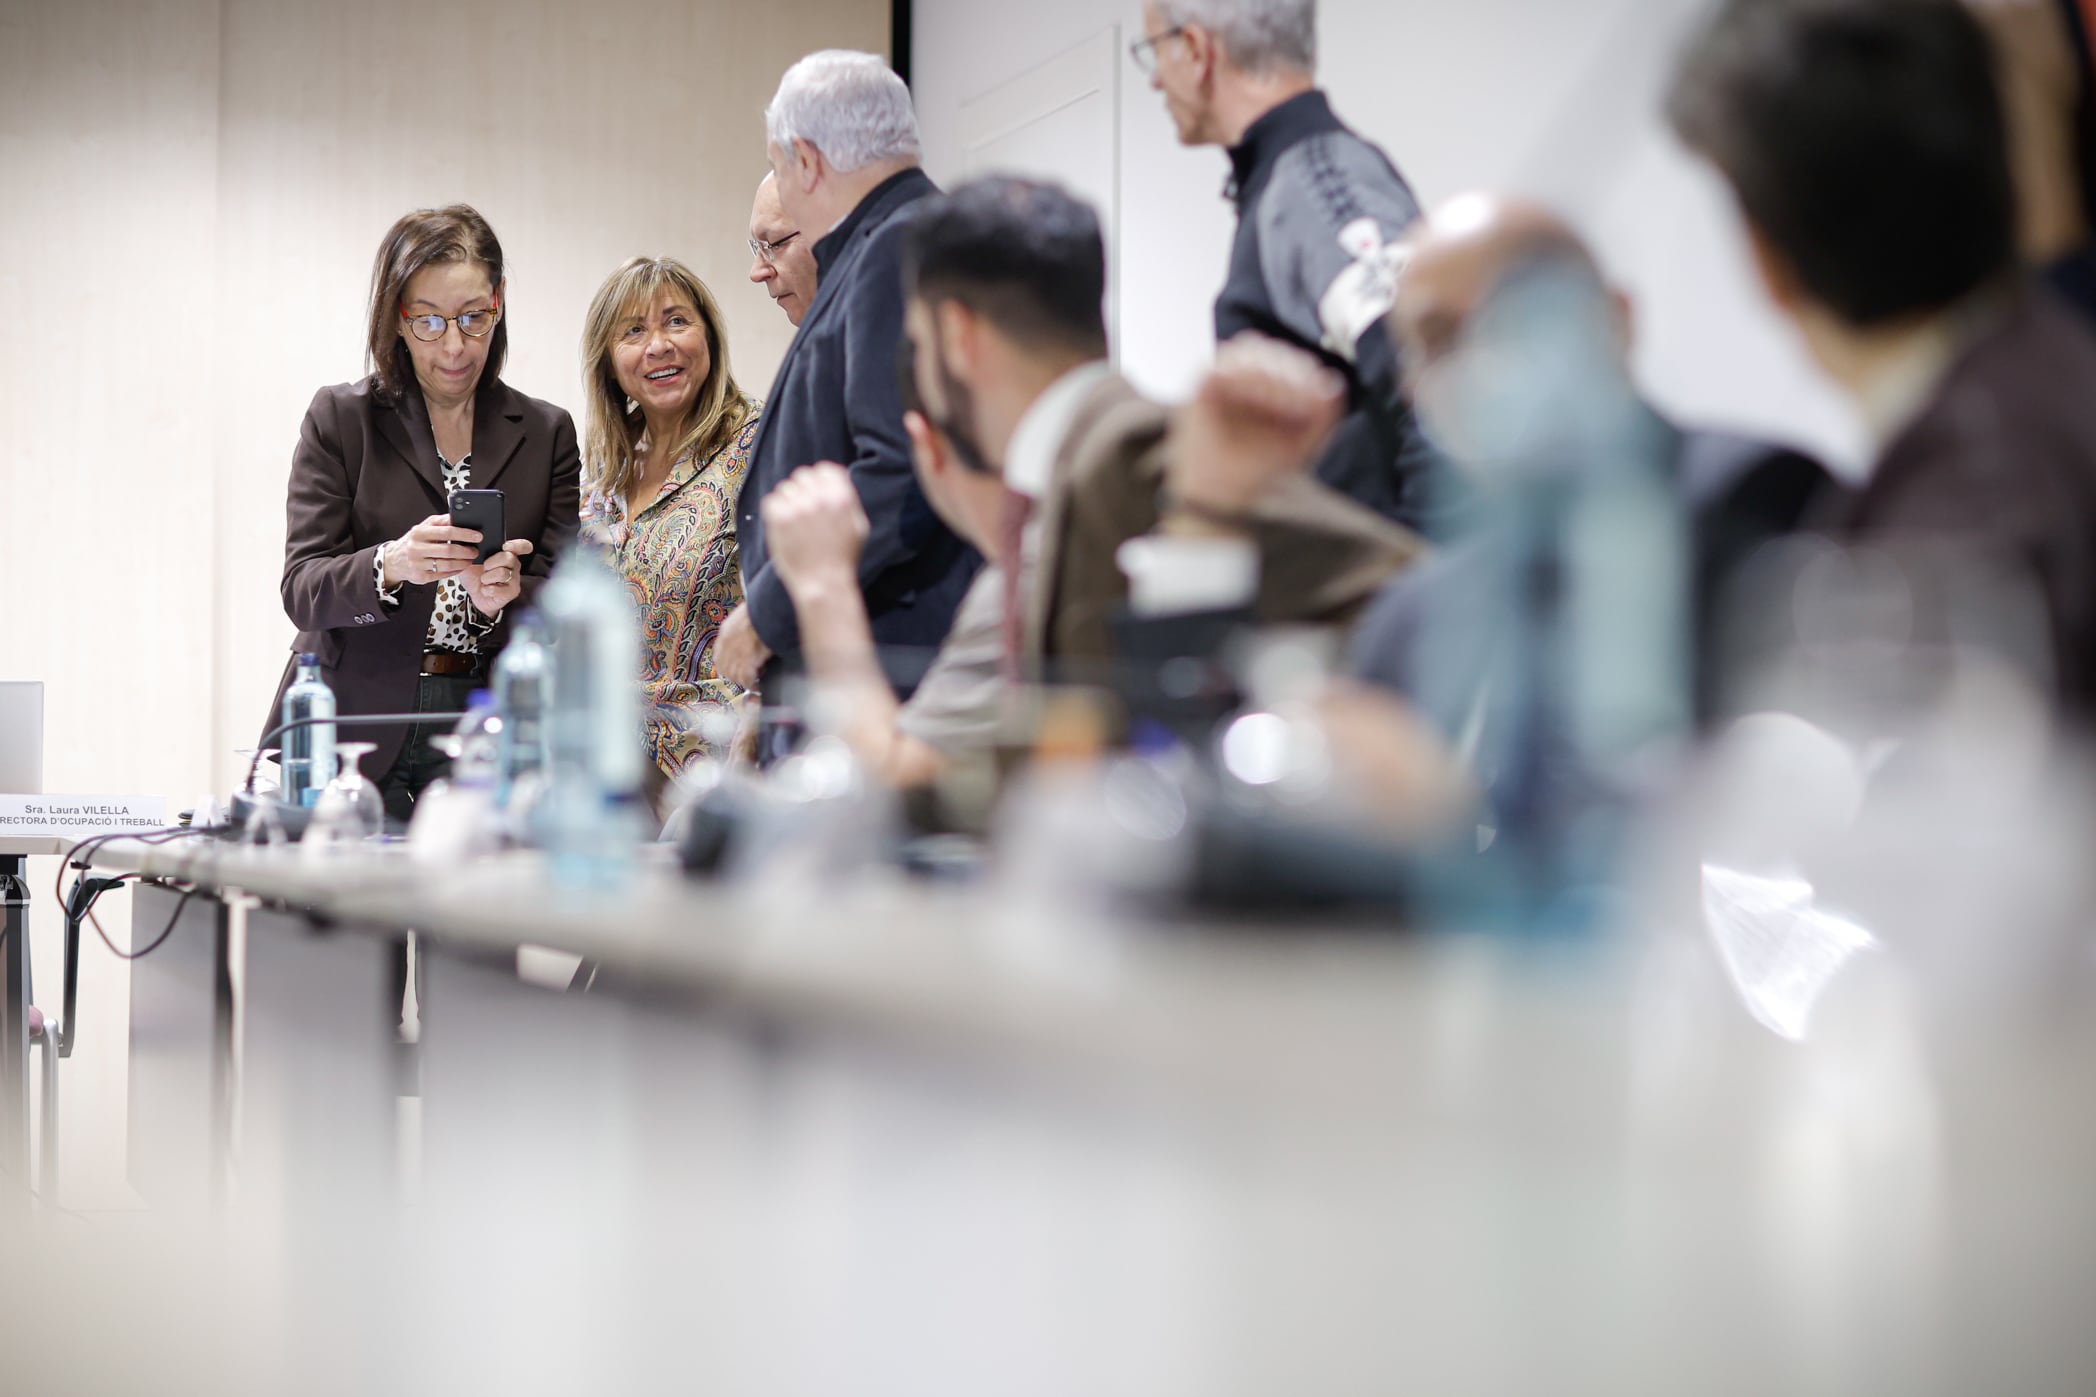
(496, 583)
(430, 552)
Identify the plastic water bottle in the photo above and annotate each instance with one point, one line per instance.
(589, 819)
(479, 741)
(523, 688)
(1579, 565)
(309, 752)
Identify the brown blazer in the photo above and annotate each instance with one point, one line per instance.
(365, 473)
(1321, 556)
(1994, 481)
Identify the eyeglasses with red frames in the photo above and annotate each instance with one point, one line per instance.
(430, 328)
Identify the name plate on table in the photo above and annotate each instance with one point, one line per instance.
(78, 817)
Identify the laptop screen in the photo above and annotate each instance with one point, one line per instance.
(21, 737)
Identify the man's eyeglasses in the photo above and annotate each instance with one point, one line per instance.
(768, 253)
(430, 328)
(1144, 50)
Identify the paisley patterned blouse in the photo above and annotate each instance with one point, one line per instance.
(680, 562)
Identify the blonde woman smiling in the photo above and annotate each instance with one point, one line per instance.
(667, 445)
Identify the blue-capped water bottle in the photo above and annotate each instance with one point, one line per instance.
(309, 751)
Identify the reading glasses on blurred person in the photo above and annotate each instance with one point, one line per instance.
(1144, 50)
(476, 323)
(769, 252)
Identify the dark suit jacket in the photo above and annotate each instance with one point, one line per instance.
(1742, 493)
(1994, 482)
(1322, 557)
(1429, 638)
(2073, 279)
(837, 398)
(365, 473)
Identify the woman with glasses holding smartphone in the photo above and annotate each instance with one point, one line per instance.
(381, 585)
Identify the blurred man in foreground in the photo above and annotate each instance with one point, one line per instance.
(1737, 493)
(1031, 446)
(1865, 142)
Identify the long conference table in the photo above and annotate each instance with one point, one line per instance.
(888, 1135)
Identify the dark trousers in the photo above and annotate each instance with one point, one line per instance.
(420, 764)
(413, 771)
(780, 728)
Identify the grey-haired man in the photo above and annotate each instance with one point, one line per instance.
(844, 157)
(1321, 214)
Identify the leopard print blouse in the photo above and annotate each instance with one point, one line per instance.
(455, 624)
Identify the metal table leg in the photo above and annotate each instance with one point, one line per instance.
(47, 1152)
(14, 1024)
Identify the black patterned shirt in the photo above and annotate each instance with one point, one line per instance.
(455, 623)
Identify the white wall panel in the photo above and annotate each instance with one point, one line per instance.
(1553, 98)
(1059, 120)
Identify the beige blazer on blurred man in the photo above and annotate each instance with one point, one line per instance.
(1321, 556)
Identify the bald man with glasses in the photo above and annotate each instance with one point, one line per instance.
(782, 261)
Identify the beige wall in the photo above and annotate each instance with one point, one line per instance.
(190, 195)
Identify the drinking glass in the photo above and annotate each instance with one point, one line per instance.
(265, 823)
(268, 775)
(349, 811)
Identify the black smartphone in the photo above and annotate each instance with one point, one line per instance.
(482, 510)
